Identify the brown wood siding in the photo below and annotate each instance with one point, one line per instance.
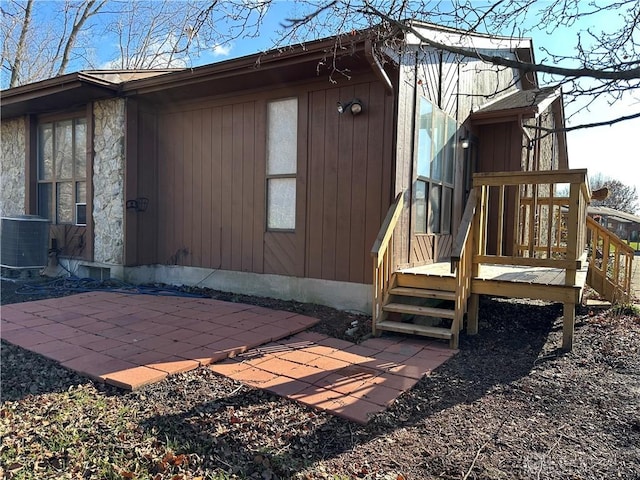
(280, 253)
(207, 190)
(423, 248)
(404, 153)
(210, 168)
(449, 84)
(500, 150)
(147, 180)
(348, 159)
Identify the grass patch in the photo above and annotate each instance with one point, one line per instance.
(627, 309)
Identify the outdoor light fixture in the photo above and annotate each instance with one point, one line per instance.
(354, 106)
(139, 204)
(464, 142)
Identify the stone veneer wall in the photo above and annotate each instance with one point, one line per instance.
(12, 167)
(108, 180)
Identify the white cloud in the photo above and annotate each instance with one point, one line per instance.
(221, 50)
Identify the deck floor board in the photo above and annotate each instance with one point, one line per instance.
(507, 273)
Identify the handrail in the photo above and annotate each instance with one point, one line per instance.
(383, 261)
(389, 223)
(548, 227)
(610, 275)
(465, 228)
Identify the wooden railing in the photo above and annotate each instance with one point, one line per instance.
(383, 262)
(462, 260)
(610, 263)
(549, 209)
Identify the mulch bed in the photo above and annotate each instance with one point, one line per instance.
(509, 405)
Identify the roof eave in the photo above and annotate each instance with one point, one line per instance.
(262, 61)
(32, 98)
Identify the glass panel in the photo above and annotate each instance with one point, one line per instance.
(434, 209)
(80, 151)
(45, 152)
(81, 192)
(281, 212)
(65, 205)
(64, 149)
(450, 150)
(421, 207)
(282, 137)
(446, 210)
(439, 126)
(424, 138)
(45, 205)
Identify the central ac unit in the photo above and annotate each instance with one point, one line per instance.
(25, 241)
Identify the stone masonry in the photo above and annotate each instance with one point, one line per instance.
(108, 181)
(12, 187)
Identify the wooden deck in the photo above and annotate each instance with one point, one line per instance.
(541, 283)
(541, 254)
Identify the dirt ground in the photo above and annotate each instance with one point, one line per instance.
(509, 405)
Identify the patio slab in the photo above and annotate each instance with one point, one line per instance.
(132, 340)
(348, 380)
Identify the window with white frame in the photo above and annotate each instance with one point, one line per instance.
(433, 191)
(62, 169)
(282, 161)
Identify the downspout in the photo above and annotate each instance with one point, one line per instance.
(377, 67)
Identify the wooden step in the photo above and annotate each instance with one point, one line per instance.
(423, 293)
(425, 281)
(412, 329)
(418, 310)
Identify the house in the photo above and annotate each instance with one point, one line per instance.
(272, 174)
(624, 225)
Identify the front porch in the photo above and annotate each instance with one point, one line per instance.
(522, 235)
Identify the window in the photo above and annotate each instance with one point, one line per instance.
(282, 160)
(433, 191)
(62, 169)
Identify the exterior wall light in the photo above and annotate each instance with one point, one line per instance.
(464, 142)
(354, 106)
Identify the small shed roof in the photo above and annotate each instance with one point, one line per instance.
(524, 102)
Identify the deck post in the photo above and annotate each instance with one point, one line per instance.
(472, 314)
(568, 321)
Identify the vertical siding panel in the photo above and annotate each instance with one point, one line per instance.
(163, 150)
(345, 150)
(375, 192)
(147, 187)
(330, 189)
(205, 207)
(259, 169)
(185, 209)
(177, 198)
(226, 186)
(197, 182)
(301, 185)
(237, 191)
(361, 186)
(216, 187)
(248, 206)
(316, 184)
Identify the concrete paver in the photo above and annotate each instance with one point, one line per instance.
(333, 375)
(134, 340)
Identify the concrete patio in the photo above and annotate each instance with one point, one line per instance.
(130, 341)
